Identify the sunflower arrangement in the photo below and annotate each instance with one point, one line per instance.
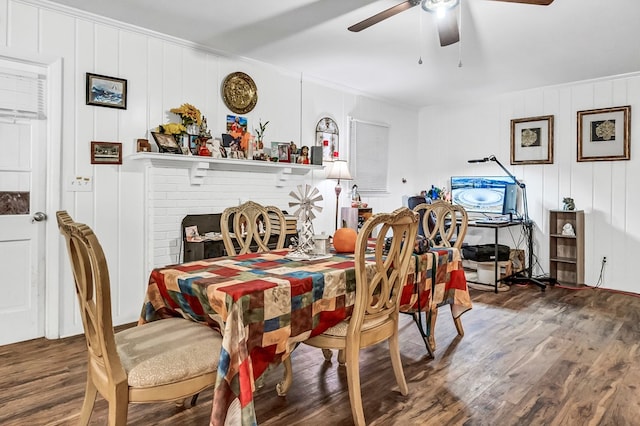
(188, 114)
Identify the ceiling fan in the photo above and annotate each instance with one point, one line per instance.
(447, 22)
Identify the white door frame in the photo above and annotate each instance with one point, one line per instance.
(53, 244)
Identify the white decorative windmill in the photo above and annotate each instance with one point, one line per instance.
(306, 200)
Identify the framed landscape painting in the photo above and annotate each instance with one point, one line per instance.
(106, 91)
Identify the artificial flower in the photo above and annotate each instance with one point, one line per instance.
(172, 129)
(189, 114)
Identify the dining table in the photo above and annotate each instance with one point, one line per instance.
(264, 304)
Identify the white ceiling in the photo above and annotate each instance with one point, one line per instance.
(504, 47)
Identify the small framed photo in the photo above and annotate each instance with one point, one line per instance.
(106, 152)
(143, 145)
(166, 143)
(604, 134)
(284, 152)
(106, 91)
(532, 140)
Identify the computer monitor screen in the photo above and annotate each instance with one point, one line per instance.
(484, 194)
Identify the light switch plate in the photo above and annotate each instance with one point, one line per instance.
(80, 184)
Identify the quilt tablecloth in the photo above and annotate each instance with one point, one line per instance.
(264, 303)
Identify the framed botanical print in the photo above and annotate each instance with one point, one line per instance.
(604, 134)
(532, 140)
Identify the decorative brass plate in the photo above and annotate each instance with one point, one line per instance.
(239, 93)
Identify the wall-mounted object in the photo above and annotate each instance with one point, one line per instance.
(106, 152)
(106, 91)
(532, 140)
(327, 137)
(239, 93)
(604, 134)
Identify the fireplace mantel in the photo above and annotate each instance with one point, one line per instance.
(198, 165)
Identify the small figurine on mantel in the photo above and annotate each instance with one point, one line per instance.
(304, 155)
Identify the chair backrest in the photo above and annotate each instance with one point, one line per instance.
(378, 290)
(415, 201)
(248, 228)
(450, 226)
(91, 276)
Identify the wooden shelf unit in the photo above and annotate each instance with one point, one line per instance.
(566, 252)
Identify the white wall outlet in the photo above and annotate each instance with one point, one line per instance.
(80, 184)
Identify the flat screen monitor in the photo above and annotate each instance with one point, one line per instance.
(484, 194)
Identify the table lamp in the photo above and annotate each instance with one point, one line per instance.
(338, 169)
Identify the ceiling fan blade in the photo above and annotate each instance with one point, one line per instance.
(448, 29)
(408, 4)
(536, 2)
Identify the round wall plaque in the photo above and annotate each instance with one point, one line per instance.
(239, 92)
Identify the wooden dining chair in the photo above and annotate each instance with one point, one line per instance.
(165, 360)
(249, 228)
(445, 224)
(377, 297)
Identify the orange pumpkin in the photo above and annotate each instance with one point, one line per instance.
(344, 240)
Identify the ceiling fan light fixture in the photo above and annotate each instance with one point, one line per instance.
(438, 6)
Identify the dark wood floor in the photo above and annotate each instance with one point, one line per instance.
(562, 357)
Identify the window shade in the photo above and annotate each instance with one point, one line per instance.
(369, 155)
(22, 94)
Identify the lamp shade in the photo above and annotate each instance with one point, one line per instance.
(339, 170)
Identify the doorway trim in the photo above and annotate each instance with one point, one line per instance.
(53, 245)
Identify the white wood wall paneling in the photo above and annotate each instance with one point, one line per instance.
(627, 195)
(132, 274)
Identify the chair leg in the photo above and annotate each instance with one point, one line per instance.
(432, 328)
(396, 362)
(283, 387)
(341, 357)
(353, 382)
(90, 394)
(327, 354)
(458, 324)
(119, 405)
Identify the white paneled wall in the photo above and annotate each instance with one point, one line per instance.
(605, 190)
(136, 211)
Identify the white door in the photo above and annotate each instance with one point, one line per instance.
(22, 245)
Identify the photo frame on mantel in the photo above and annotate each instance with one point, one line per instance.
(532, 140)
(604, 134)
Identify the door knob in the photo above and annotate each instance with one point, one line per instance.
(38, 217)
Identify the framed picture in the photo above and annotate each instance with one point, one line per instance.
(604, 134)
(143, 145)
(284, 152)
(106, 152)
(166, 143)
(532, 140)
(106, 91)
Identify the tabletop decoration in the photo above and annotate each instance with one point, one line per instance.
(190, 116)
(305, 201)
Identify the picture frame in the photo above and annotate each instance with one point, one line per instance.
(604, 134)
(284, 152)
(166, 143)
(110, 92)
(106, 152)
(143, 145)
(532, 140)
